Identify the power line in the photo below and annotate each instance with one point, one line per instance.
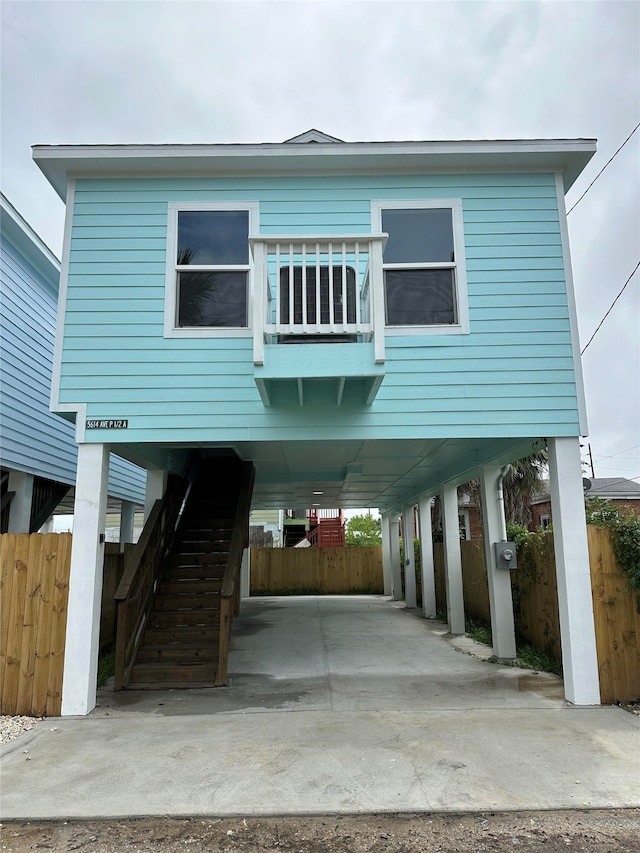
(610, 307)
(619, 453)
(611, 159)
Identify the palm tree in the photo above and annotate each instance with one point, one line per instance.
(524, 481)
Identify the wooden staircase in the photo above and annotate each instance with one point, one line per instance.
(181, 641)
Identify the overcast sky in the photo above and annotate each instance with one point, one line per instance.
(156, 72)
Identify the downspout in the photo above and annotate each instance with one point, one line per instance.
(503, 521)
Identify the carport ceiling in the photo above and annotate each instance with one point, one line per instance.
(352, 473)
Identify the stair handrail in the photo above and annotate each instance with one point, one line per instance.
(229, 593)
(143, 565)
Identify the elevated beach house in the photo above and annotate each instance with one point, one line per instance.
(312, 323)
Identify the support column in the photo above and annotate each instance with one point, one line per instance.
(156, 485)
(85, 581)
(409, 557)
(427, 570)
(387, 572)
(245, 574)
(394, 542)
(127, 519)
(452, 559)
(575, 603)
(20, 509)
(500, 596)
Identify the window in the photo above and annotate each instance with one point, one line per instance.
(424, 265)
(208, 269)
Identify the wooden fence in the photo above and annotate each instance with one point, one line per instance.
(34, 585)
(535, 595)
(316, 571)
(617, 623)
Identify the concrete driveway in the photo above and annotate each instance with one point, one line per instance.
(335, 704)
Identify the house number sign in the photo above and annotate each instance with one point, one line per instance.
(107, 424)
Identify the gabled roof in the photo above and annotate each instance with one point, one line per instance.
(327, 156)
(313, 135)
(618, 488)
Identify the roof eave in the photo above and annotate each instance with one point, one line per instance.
(567, 156)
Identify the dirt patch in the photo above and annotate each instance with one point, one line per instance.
(613, 831)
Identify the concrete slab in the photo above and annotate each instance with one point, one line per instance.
(334, 705)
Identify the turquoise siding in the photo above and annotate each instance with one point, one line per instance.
(34, 440)
(511, 376)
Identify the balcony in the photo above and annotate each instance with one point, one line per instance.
(323, 291)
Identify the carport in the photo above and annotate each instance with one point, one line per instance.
(335, 704)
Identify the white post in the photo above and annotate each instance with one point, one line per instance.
(258, 300)
(409, 557)
(156, 485)
(452, 559)
(427, 569)
(20, 508)
(376, 296)
(575, 603)
(500, 596)
(85, 581)
(127, 518)
(245, 574)
(387, 569)
(394, 543)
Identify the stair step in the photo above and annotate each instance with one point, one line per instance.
(161, 672)
(178, 618)
(190, 586)
(205, 547)
(186, 601)
(198, 634)
(209, 531)
(170, 685)
(177, 652)
(194, 574)
(203, 560)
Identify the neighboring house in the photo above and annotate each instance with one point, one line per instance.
(38, 450)
(620, 492)
(368, 324)
(266, 528)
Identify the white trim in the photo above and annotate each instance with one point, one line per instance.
(21, 234)
(55, 406)
(571, 302)
(171, 330)
(569, 156)
(462, 327)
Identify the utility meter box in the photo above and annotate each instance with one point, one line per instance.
(505, 553)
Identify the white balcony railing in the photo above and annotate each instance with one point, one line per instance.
(317, 289)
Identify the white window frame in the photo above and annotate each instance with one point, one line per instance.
(171, 328)
(459, 266)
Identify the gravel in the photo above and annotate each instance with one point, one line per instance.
(12, 727)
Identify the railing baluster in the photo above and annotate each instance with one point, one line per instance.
(291, 315)
(332, 318)
(305, 318)
(344, 288)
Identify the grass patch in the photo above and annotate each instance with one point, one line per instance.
(478, 632)
(531, 658)
(528, 657)
(106, 665)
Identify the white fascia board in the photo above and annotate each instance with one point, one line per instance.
(568, 156)
(573, 311)
(80, 409)
(18, 230)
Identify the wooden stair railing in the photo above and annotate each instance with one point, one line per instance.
(230, 591)
(143, 565)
